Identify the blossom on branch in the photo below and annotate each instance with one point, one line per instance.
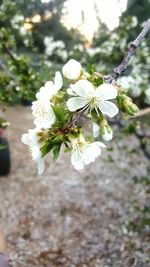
(42, 108)
(32, 140)
(43, 113)
(84, 94)
(84, 152)
(57, 113)
(104, 131)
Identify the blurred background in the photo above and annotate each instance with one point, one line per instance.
(38, 37)
(100, 217)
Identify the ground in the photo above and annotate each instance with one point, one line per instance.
(69, 219)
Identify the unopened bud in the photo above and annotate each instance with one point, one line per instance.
(104, 130)
(106, 133)
(72, 70)
(126, 105)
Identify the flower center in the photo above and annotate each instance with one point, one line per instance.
(78, 145)
(93, 102)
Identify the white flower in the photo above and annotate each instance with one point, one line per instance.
(32, 140)
(43, 113)
(72, 70)
(85, 94)
(50, 88)
(83, 152)
(42, 108)
(105, 132)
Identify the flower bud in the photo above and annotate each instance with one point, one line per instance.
(126, 105)
(72, 70)
(104, 130)
(132, 109)
(106, 133)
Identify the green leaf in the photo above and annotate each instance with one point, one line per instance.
(55, 151)
(91, 69)
(54, 145)
(97, 81)
(46, 148)
(59, 113)
(2, 147)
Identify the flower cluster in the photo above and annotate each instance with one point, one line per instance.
(58, 110)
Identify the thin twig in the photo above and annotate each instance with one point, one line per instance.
(77, 117)
(9, 52)
(132, 49)
(141, 113)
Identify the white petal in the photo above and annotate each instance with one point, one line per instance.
(107, 134)
(108, 108)
(41, 166)
(92, 151)
(46, 92)
(106, 92)
(75, 103)
(37, 158)
(31, 138)
(49, 85)
(76, 160)
(58, 82)
(70, 91)
(83, 88)
(100, 144)
(36, 153)
(96, 129)
(45, 122)
(25, 139)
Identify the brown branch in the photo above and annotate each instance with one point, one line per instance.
(77, 117)
(9, 52)
(141, 113)
(132, 49)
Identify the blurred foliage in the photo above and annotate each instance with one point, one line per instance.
(24, 64)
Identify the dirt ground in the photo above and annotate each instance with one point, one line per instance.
(69, 219)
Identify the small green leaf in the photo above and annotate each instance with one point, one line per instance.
(2, 147)
(59, 113)
(97, 81)
(46, 148)
(55, 151)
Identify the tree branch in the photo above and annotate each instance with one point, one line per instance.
(141, 113)
(9, 52)
(77, 117)
(132, 49)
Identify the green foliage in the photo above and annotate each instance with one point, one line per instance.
(22, 65)
(55, 151)
(130, 129)
(60, 114)
(53, 143)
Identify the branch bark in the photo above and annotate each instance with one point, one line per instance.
(141, 113)
(132, 49)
